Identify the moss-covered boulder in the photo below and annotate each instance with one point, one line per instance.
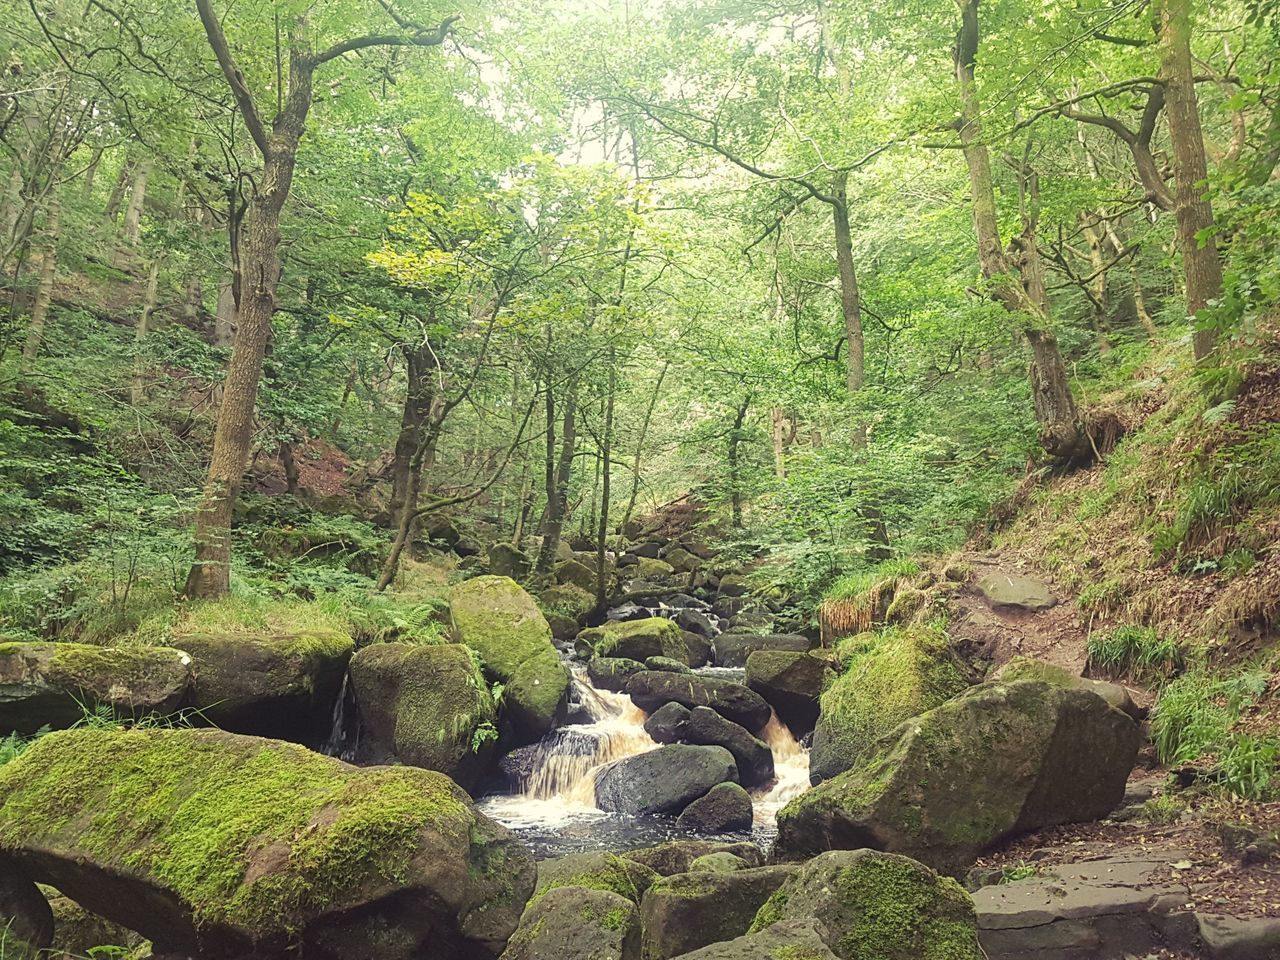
(224, 845)
(634, 640)
(268, 684)
(612, 673)
(497, 619)
(46, 684)
(690, 910)
(888, 677)
(1026, 668)
(506, 561)
(667, 664)
(653, 688)
(595, 870)
(427, 706)
(568, 600)
(677, 856)
(1000, 759)
(576, 573)
(725, 808)
(575, 923)
(788, 940)
(665, 780)
(681, 560)
(873, 904)
(791, 683)
(653, 570)
(733, 649)
(722, 862)
(78, 933)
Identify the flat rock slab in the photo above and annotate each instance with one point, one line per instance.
(1095, 908)
(1011, 590)
(1239, 938)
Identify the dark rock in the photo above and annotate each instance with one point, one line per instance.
(681, 559)
(751, 621)
(651, 690)
(753, 757)
(699, 647)
(627, 560)
(439, 531)
(788, 940)
(666, 725)
(576, 923)
(695, 621)
(667, 664)
(562, 628)
(730, 607)
(665, 780)
(791, 683)
(612, 673)
(733, 649)
(466, 547)
(725, 808)
(26, 921)
(1239, 938)
(733, 585)
(648, 551)
(679, 914)
(677, 856)
(506, 561)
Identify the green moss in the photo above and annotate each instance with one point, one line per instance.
(636, 639)
(88, 667)
(496, 618)
(773, 910)
(197, 810)
(617, 919)
(904, 916)
(596, 871)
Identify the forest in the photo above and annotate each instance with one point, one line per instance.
(638, 479)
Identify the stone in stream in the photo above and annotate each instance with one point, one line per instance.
(576, 923)
(753, 757)
(678, 856)
(725, 808)
(665, 780)
(733, 701)
(887, 678)
(791, 683)
(596, 870)
(667, 664)
(222, 845)
(633, 640)
(51, 684)
(497, 619)
(427, 706)
(1001, 759)
(272, 685)
(612, 673)
(699, 647)
(733, 649)
(691, 910)
(788, 940)
(666, 724)
(695, 621)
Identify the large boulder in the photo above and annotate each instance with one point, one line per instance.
(497, 619)
(665, 780)
(873, 904)
(634, 640)
(574, 923)
(427, 706)
(654, 571)
(568, 601)
(612, 673)
(1001, 759)
(888, 678)
(575, 573)
(596, 870)
(268, 684)
(690, 910)
(223, 845)
(651, 689)
(700, 649)
(733, 649)
(791, 683)
(678, 856)
(787, 940)
(753, 757)
(51, 684)
(1026, 668)
(726, 808)
(666, 724)
(507, 561)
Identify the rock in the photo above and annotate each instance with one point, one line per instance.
(677, 856)
(596, 870)
(45, 684)
(690, 910)
(753, 757)
(498, 620)
(667, 664)
(681, 560)
(665, 780)
(568, 601)
(563, 628)
(274, 685)
(467, 548)
(722, 862)
(1012, 590)
(751, 621)
(1047, 756)
(1239, 938)
(729, 607)
(888, 678)
(695, 621)
(578, 574)
(26, 920)
(791, 683)
(733, 585)
(506, 561)
(666, 724)
(427, 706)
(645, 551)
(225, 845)
(652, 689)
(564, 550)
(633, 639)
(1025, 668)
(572, 923)
(873, 904)
(77, 932)
(733, 649)
(654, 570)
(788, 940)
(439, 530)
(699, 648)
(612, 673)
(725, 808)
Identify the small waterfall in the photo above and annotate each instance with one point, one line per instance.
(790, 770)
(344, 731)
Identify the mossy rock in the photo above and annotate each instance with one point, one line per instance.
(506, 561)
(427, 706)
(568, 600)
(595, 870)
(788, 940)
(681, 560)
(575, 573)
(733, 585)
(665, 780)
(881, 905)
(722, 862)
(634, 640)
(577, 923)
(1026, 668)
(677, 856)
(888, 678)
(725, 808)
(906, 606)
(51, 684)
(497, 619)
(76, 932)
(268, 684)
(1001, 759)
(687, 911)
(733, 649)
(667, 664)
(612, 673)
(791, 683)
(653, 570)
(224, 845)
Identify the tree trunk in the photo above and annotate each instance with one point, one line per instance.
(734, 461)
(778, 436)
(91, 173)
(44, 288)
(413, 419)
(606, 453)
(141, 329)
(1200, 264)
(132, 232)
(644, 435)
(226, 317)
(112, 213)
(558, 486)
(850, 301)
(290, 466)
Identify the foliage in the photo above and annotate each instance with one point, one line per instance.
(1140, 653)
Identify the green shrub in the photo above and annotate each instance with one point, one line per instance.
(1140, 653)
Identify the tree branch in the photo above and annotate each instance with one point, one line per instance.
(419, 38)
(235, 76)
